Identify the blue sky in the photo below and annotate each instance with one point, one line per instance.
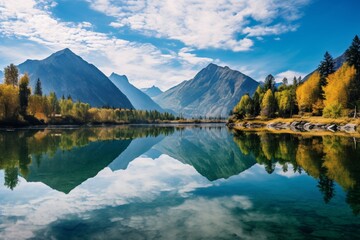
(165, 42)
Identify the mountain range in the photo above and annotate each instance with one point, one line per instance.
(152, 92)
(213, 92)
(138, 99)
(65, 73)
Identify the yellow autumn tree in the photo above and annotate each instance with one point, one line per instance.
(308, 93)
(337, 90)
(9, 102)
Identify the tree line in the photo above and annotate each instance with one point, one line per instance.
(18, 104)
(327, 92)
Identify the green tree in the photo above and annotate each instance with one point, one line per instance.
(325, 68)
(268, 104)
(54, 104)
(353, 53)
(285, 81)
(245, 107)
(38, 88)
(295, 82)
(326, 187)
(257, 99)
(11, 75)
(353, 59)
(24, 93)
(11, 177)
(269, 83)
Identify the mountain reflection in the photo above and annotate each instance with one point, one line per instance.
(64, 159)
(210, 150)
(326, 158)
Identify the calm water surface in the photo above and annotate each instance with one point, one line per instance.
(177, 183)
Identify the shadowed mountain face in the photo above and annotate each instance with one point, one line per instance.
(211, 151)
(152, 92)
(68, 74)
(65, 170)
(138, 99)
(213, 92)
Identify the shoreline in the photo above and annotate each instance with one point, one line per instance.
(313, 125)
(22, 125)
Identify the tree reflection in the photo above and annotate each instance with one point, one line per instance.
(11, 177)
(328, 159)
(19, 149)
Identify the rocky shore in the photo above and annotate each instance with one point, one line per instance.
(297, 126)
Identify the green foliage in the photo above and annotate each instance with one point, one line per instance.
(38, 88)
(269, 83)
(333, 110)
(257, 99)
(245, 108)
(325, 68)
(353, 53)
(11, 75)
(268, 105)
(353, 59)
(66, 106)
(54, 106)
(24, 93)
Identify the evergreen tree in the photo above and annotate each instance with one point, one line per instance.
(300, 80)
(24, 93)
(269, 83)
(353, 53)
(353, 59)
(11, 75)
(295, 82)
(325, 68)
(285, 81)
(38, 88)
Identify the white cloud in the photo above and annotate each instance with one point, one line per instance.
(268, 30)
(144, 64)
(144, 180)
(289, 74)
(205, 24)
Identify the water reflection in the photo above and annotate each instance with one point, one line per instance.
(63, 159)
(177, 183)
(326, 158)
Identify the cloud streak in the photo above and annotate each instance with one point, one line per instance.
(223, 24)
(144, 63)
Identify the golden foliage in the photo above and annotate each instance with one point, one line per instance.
(337, 89)
(308, 93)
(9, 101)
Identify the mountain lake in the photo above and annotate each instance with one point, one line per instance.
(177, 182)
